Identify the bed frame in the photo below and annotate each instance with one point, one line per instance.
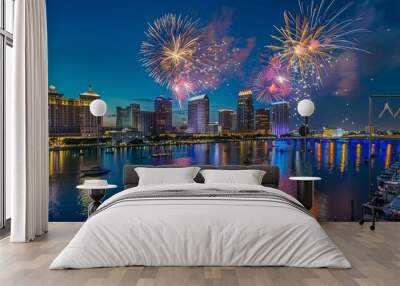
(270, 179)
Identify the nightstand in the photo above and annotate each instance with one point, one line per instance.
(305, 190)
(96, 190)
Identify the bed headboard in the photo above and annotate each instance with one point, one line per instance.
(270, 179)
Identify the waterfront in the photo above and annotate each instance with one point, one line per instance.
(341, 164)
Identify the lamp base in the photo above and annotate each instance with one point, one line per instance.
(304, 130)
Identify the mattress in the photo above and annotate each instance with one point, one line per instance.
(201, 225)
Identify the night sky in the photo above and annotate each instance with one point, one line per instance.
(97, 42)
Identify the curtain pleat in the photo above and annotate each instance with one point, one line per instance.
(29, 161)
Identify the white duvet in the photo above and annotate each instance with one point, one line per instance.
(211, 231)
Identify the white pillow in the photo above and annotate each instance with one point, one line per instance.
(166, 176)
(248, 177)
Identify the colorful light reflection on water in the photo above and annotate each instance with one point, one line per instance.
(341, 164)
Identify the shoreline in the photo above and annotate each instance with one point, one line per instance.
(205, 141)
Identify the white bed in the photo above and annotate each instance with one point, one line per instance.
(202, 231)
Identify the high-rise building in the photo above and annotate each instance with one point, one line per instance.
(225, 120)
(245, 111)
(128, 117)
(234, 121)
(71, 116)
(280, 118)
(146, 123)
(123, 117)
(198, 114)
(64, 114)
(162, 114)
(263, 120)
(135, 110)
(88, 122)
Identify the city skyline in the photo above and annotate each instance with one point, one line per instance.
(66, 119)
(115, 71)
(67, 115)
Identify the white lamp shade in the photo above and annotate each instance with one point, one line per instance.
(305, 107)
(98, 107)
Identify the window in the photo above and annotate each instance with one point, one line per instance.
(6, 61)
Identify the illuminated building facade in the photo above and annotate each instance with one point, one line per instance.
(234, 121)
(71, 116)
(213, 128)
(128, 117)
(245, 111)
(162, 115)
(87, 120)
(198, 114)
(125, 136)
(64, 113)
(123, 117)
(225, 120)
(146, 123)
(263, 120)
(333, 132)
(280, 118)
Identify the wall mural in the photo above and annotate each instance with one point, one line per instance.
(218, 83)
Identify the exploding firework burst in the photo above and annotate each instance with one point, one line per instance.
(209, 62)
(169, 48)
(213, 59)
(181, 88)
(309, 41)
(185, 58)
(273, 82)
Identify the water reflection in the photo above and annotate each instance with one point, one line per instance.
(318, 152)
(338, 162)
(388, 155)
(331, 156)
(343, 158)
(358, 156)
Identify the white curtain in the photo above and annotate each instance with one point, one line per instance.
(27, 124)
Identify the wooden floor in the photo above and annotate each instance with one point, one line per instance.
(375, 257)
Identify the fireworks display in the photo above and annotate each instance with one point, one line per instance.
(181, 88)
(213, 60)
(169, 48)
(308, 42)
(189, 59)
(180, 55)
(273, 82)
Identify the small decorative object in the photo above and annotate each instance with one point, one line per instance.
(305, 108)
(305, 185)
(305, 190)
(96, 190)
(98, 108)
